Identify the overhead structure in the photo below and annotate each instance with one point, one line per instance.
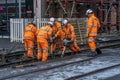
(77, 8)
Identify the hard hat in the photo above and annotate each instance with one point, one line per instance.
(65, 22)
(88, 11)
(52, 19)
(50, 23)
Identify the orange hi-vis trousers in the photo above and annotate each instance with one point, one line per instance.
(57, 44)
(91, 43)
(42, 45)
(29, 44)
(74, 47)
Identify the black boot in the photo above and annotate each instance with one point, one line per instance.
(98, 51)
(92, 54)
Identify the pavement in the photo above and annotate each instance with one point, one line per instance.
(5, 44)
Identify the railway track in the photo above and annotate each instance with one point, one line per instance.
(16, 57)
(43, 67)
(93, 72)
(57, 64)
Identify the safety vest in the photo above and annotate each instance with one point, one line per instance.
(69, 31)
(45, 32)
(92, 26)
(28, 32)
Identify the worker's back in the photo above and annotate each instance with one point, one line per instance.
(30, 31)
(93, 25)
(45, 32)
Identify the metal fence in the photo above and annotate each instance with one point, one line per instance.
(17, 26)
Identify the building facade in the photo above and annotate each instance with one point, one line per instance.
(11, 9)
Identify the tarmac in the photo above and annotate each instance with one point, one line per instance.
(5, 43)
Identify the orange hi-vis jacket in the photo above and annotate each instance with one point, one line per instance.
(30, 32)
(57, 30)
(92, 25)
(45, 32)
(69, 32)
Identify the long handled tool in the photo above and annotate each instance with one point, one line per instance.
(63, 52)
(51, 51)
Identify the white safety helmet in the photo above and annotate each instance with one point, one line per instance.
(88, 11)
(50, 23)
(65, 22)
(52, 19)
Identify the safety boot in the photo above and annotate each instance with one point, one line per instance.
(98, 51)
(92, 54)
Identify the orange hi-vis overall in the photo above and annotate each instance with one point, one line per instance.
(92, 25)
(29, 39)
(70, 35)
(57, 32)
(43, 35)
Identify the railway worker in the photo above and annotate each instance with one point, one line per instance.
(70, 35)
(93, 25)
(57, 36)
(43, 36)
(30, 38)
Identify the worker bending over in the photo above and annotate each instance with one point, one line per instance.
(43, 36)
(30, 38)
(57, 35)
(70, 35)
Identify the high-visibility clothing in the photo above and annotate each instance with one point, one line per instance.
(29, 38)
(29, 47)
(70, 35)
(43, 35)
(59, 34)
(93, 25)
(91, 43)
(30, 32)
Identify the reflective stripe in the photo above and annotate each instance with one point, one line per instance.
(28, 31)
(93, 23)
(46, 29)
(91, 39)
(88, 25)
(49, 30)
(72, 31)
(28, 37)
(93, 33)
(75, 44)
(42, 35)
(59, 28)
(93, 50)
(45, 48)
(39, 49)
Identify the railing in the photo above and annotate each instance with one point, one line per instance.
(17, 26)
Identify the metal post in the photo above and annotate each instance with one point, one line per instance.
(19, 8)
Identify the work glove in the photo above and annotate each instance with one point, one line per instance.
(53, 38)
(65, 42)
(51, 41)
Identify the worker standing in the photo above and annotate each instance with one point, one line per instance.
(43, 36)
(70, 35)
(30, 38)
(93, 26)
(57, 36)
